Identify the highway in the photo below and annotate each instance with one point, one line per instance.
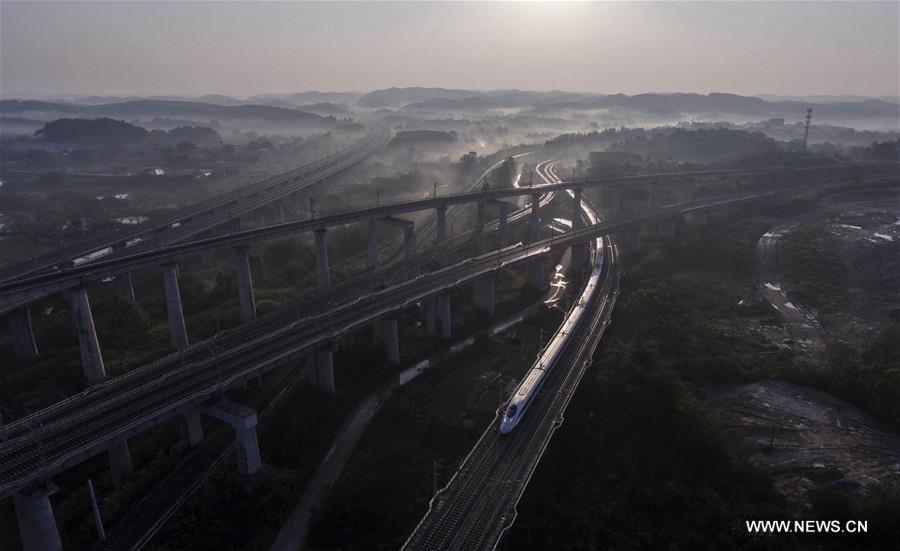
(478, 503)
(66, 433)
(200, 217)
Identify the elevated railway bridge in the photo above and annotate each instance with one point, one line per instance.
(103, 417)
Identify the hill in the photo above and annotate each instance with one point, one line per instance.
(164, 108)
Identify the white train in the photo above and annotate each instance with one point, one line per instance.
(531, 383)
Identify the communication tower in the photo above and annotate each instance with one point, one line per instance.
(806, 126)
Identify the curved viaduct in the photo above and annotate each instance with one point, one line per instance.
(104, 416)
(190, 221)
(29, 288)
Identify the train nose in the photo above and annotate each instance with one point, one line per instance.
(506, 426)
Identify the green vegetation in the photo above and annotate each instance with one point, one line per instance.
(883, 151)
(812, 265)
(232, 514)
(110, 132)
(503, 175)
(706, 145)
(816, 270)
(468, 164)
(417, 137)
(417, 439)
(609, 164)
(103, 131)
(639, 464)
(229, 514)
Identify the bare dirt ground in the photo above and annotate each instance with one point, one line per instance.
(802, 325)
(863, 241)
(805, 437)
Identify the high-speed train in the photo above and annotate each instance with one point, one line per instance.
(531, 383)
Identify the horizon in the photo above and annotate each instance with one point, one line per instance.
(765, 96)
(189, 49)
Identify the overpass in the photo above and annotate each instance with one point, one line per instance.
(35, 448)
(28, 288)
(16, 294)
(200, 217)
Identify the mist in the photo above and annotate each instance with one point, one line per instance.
(52, 49)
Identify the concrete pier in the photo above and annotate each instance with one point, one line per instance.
(234, 225)
(534, 231)
(612, 202)
(125, 284)
(534, 223)
(440, 224)
(322, 376)
(632, 240)
(503, 223)
(699, 218)
(279, 211)
(323, 276)
(372, 251)
(481, 215)
(577, 222)
(37, 526)
(443, 314)
(409, 241)
(431, 316)
(191, 428)
(666, 228)
(484, 295)
(536, 207)
(91, 359)
(244, 283)
(535, 274)
(243, 420)
(120, 464)
(376, 333)
(23, 333)
(391, 340)
(207, 257)
(409, 234)
(177, 328)
(579, 255)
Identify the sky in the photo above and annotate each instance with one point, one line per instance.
(244, 48)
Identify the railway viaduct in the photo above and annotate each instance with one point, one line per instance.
(109, 412)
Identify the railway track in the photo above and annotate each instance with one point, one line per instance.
(478, 503)
(149, 515)
(200, 217)
(53, 439)
(142, 521)
(123, 406)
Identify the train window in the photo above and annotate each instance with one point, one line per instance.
(511, 412)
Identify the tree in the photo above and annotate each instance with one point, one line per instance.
(103, 131)
(504, 174)
(467, 163)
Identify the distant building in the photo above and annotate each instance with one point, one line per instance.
(156, 172)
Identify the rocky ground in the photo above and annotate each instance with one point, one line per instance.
(805, 437)
(830, 275)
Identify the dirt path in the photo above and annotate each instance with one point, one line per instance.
(801, 324)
